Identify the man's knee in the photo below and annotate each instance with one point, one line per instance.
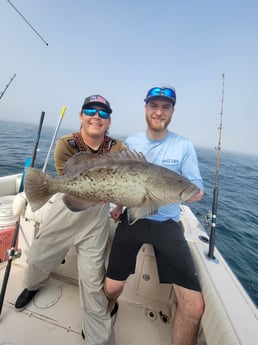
(190, 302)
(113, 288)
(197, 308)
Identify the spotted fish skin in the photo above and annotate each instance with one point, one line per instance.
(123, 178)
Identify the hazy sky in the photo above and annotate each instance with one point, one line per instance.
(120, 49)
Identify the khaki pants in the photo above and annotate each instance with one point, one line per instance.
(88, 232)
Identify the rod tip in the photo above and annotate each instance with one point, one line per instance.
(63, 111)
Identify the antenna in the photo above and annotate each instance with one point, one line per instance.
(2, 93)
(216, 187)
(36, 32)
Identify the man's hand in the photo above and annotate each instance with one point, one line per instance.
(19, 204)
(196, 197)
(116, 213)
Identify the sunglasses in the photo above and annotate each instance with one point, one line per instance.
(159, 91)
(92, 111)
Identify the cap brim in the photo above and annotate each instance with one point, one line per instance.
(105, 106)
(147, 99)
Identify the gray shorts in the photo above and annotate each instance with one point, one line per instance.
(174, 260)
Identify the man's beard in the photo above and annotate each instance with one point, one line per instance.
(158, 126)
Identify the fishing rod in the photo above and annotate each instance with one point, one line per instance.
(36, 32)
(12, 253)
(7, 85)
(54, 137)
(37, 140)
(216, 186)
(32, 160)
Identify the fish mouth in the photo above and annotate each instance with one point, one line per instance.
(188, 193)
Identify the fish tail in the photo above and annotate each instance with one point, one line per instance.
(37, 188)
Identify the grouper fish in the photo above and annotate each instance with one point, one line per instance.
(123, 178)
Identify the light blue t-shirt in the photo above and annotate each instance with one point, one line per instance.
(174, 152)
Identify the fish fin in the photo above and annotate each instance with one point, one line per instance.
(157, 191)
(135, 213)
(36, 188)
(85, 161)
(76, 204)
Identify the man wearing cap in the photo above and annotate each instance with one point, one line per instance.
(86, 230)
(162, 231)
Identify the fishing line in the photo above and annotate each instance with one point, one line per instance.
(36, 32)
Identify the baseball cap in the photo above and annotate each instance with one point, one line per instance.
(164, 91)
(97, 99)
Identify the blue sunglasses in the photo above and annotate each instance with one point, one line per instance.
(159, 91)
(92, 111)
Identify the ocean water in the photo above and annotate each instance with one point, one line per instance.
(237, 213)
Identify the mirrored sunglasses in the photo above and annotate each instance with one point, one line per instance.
(92, 111)
(158, 91)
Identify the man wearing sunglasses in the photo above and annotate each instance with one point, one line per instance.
(162, 231)
(86, 230)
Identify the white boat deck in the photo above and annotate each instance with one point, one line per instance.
(54, 313)
(38, 324)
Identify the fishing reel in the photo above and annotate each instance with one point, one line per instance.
(207, 219)
(13, 253)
